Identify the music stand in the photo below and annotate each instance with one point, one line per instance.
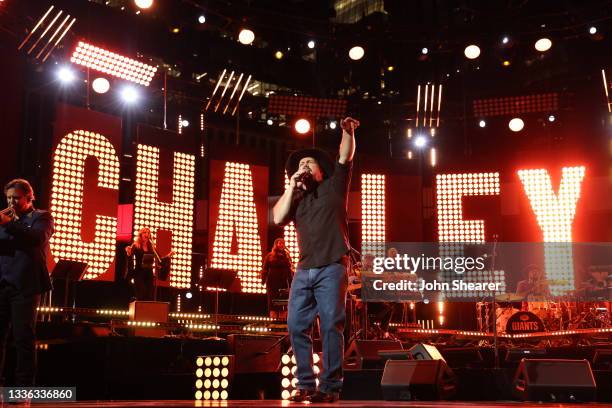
(219, 279)
(70, 271)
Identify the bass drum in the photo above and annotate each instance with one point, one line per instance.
(503, 315)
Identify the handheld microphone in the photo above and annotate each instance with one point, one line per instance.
(304, 178)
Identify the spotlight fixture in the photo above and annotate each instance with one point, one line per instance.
(390, 68)
(270, 122)
(202, 19)
(100, 85)
(129, 94)
(65, 75)
(356, 53)
(143, 4)
(188, 295)
(246, 36)
(592, 30)
(516, 124)
(311, 44)
(333, 124)
(424, 50)
(482, 123)
(185, 123)
(543, 44)
(506, 63)
(505, 39)
(420, 141)
(472, 51)
(302, 126)
(278, 55)
(176, 30)
(551, 118)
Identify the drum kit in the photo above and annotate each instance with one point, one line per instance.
(554, 315)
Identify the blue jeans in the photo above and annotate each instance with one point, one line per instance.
(319, 291)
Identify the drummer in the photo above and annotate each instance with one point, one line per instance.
(535, 286)
(598, 284)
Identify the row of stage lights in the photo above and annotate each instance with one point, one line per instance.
(129, 94)
(357, 52)
(515, 124)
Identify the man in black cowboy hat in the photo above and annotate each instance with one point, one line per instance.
(316, 200)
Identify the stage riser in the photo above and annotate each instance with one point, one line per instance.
(117, 368)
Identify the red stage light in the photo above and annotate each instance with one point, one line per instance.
(67, 201)
(238, 215)
(113, 64)
(176, 216)
(555, 214)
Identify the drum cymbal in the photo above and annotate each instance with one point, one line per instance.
(509, 297)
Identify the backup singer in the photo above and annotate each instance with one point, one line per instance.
(24, 245)
(144, 252)
(276, 272)
(317, 201)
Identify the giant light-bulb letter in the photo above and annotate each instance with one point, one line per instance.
(555, 215)
(455, 230)
(238, 215)
(67, 201)
(176, 216)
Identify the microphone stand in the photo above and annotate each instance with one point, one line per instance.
(495, 336)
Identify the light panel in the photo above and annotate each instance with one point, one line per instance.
(67, 201)
(289, 379)
(454, 229)
(176, 216)
(110, 63)
(290, 235)
(373, 214)
(213, 377)
(237, 219)
(555, 215)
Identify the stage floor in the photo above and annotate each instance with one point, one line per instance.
(277, 403)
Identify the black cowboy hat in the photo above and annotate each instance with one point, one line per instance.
(325, 162)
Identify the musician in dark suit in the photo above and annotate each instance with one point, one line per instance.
(24, 245)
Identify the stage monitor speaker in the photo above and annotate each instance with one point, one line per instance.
(422, 351)
(255, 353)
(554, 380)
(418, 380)
(602, 360)
(463, 357)
(145, 311)
(364, 353)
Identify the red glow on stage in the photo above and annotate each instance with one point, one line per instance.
(67, 190)
(237, 224)
(176, 216)
(113, 64)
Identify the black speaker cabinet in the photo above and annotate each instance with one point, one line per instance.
(418, 380)
(554, 380)
(364, 353)
(254, 353)
(422, 351)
